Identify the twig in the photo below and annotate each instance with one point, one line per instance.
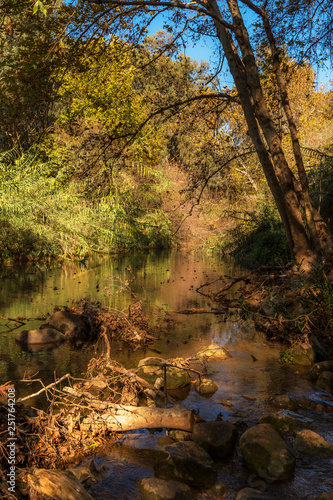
(68, 375)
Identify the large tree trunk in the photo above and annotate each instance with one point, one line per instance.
(278, 174)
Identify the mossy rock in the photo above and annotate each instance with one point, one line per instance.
(217, 438)
(187, 462)
(303, 354)
(151, 369)
(318, 368)
(325, 381)
(310, 443)
(153, 488)
(205, 387)
(282, 423)
(44, 336)
(214, 352)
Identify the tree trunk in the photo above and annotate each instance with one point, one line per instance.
(279, 176)
(119, 418)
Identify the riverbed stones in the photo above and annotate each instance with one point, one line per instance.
(281, 422)
(327, 495)
(153, 488)
(67, 323)
(187, 462)
(45, 336)
(325, 381)
(58, 485)
(205, 387)
(214, 352)
(310, 443)
(318, 368)
(285, 401)
(217, 438)
(266, 453)
(252, 494)
(303, 354)
(151, 369)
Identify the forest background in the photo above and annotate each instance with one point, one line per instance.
(113, 140)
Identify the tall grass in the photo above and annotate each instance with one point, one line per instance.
(41, 217)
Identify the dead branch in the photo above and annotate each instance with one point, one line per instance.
(68, 375)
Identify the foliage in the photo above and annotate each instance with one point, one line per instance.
(42, 218)
(257, 239)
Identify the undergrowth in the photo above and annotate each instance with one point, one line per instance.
(41, 217)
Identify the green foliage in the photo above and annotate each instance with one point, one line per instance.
(286, 357)
(43, 218)
(258, 238)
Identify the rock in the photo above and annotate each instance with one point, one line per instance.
(251, 494)
(284, 401)
(281, 422)
(187, 462)
(310, 443)
(153, 488)
(327, 495)
(87, 472)
(217, 491)
(67, 323)
(325, 381)
(318, 368)
(303, 354)
(151, 369)
(214, 351)
(178, 435)
(205, 386)
(266, 453)
(59, 485)
(217, 438)
(45, 336)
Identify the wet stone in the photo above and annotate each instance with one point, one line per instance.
(281, 422)
(45, 336)
(204, 386)
(266, 453)
(151, 369)
(252, 494)
(327, 495)
(214, 351)
(325, 381)
(284, 401)
(303, 354)
(318, 368)
(187, 462)
(311, 443)
(153, 488)
(217, 438)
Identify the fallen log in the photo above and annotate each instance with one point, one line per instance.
(118, 418)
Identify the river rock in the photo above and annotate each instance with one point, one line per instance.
(251, 494)
(284, 401)
(318, 368)
(327, 495)
(67, 323)
(281, 422)
(325, 381)
(187, 462)
(303, 354)
(151, 369)
(45, 336)
(266, 453)
(214, 351)
(310, 443)
(58, 485)
(153, 488)
(178, 435)
(204, 386)
(217, 438)
(87, 472)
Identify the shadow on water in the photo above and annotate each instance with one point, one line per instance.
(166, 282)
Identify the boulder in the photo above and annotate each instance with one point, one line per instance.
(318, 368)
(58, 485)
(310, 443)
(214, 351)
(204, 386)
(187, 462)
(153, 488)
(217, 438)
(151, 369)
(87, 472)
(303, 354)
(325, 381)
(266, 453)
(251, 494)
(67, 323)
(178, 435)
(281, 422)
(45, 336)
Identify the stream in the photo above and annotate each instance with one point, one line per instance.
(166, 282)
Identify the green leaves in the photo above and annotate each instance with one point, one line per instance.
(38, 5)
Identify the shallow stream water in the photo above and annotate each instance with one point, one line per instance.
(166, 282)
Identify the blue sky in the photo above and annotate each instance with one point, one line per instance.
(205, 50)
